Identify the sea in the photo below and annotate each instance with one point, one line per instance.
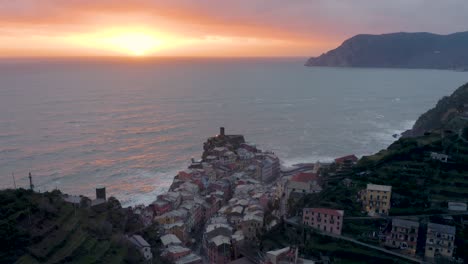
(131, 124)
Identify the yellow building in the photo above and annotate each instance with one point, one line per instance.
(376, 199)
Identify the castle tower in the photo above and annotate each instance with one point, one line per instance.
(101, 193)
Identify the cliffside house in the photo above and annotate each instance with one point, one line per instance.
(176, 252)
(440, 157)
(219, 250)
(457, 206)
(376, 199)
(403, 235)
(324, 219)
(440, 240)
(142, 246)
(170, 239)
(303, 183)
(252, 225)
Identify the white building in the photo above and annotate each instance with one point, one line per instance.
(440, 157)
(170, 239)
(142, 246)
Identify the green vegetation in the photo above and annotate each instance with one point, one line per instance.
(42, 228)
(316, 245)
(335, 195)
(420, 184)
(445, 115)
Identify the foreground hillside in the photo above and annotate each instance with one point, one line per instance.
(399, 50)
(43, 228)
(423, 183)
(420, 186)
(419, 182)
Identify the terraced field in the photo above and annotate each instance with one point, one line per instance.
(419, 182)
(42, 228)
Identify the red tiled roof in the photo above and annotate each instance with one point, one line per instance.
(346, 158)
(326, 211)
(184, 174)
(304, 177)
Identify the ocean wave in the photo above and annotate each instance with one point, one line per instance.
(143, 186)
(290, 162)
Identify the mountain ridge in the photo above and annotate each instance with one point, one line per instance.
(420, 50)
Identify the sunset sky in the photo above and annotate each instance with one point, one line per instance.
(211, 27)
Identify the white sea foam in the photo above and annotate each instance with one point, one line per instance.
(290, 162)
(148, 185)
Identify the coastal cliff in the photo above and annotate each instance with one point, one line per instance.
(399, 50)
(450, 113)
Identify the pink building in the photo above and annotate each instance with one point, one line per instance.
(324, 219)
(345, 159)
(185, 175)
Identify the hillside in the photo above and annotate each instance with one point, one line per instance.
(450, 113)
(399, 50)
(43, 228)
(419, 182)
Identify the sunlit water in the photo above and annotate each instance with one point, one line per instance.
(131, 125)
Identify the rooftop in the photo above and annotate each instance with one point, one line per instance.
(279, 251)
(304, 177)
(376, 187)
(252, 217)
(212, 227)
(177, 249)
(139, 241)
(352, 158)
(72, 199)
(404, 223)
(442, 228)
(170, 239)
(326, 211)
(190, 258)
(220, 240)
(176, 224)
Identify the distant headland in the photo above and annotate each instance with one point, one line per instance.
(399, 50)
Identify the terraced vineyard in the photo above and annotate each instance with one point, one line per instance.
(42, 228)
(420, 183)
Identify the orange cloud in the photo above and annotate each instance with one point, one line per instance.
(209, 28)
(182, 28)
